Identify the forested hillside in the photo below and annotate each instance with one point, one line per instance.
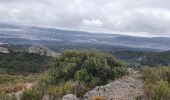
(76, 72)
(157, 59)
(138, 59)
(22, 62)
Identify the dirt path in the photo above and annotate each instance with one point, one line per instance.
(127, 88)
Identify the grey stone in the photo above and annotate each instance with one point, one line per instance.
(46, 97)
(41, 51)
(4, 50)
(126, 88)
(96, 88)
(69, 97)
(130, 70)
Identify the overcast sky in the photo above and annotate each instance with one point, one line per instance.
(133, 17)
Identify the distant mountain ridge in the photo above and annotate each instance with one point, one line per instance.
(15, 34)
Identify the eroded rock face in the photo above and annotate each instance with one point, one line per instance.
(69, 97)
(127, 88)
(4, 50)
(41, 50)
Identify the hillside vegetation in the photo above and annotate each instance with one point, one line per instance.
(157, 59)
(77, 72)
(94, 67)
(137, 60)
(157, 83)
(21, 62)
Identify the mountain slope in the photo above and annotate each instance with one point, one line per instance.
(152, 59)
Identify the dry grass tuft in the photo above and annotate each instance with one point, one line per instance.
(98, 97)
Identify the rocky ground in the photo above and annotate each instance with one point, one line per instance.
(128, 88)
(16, 89)
(19, 93)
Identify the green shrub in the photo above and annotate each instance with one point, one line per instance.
(91, 67)
(21, 62)
(162, 90)
(7, 97)
(61, 89)
(35, 93)
(156, 83)
(4, 78)
(76, 72)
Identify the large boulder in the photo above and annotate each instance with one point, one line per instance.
(41, 50)
(4, 50)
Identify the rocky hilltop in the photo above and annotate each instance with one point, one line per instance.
(128, 88)
(4, 50)
(41, 50)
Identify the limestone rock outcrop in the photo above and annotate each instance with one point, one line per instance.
(41, 50)
(4, 50)
(127, 88)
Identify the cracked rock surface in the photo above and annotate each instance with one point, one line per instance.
(127, 88)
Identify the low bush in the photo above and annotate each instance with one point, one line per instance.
(76, 72)
(35, 93)
(157, 83)
(61, 89)
(98, 97)
(89, 67)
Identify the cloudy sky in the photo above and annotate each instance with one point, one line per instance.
(133, 17)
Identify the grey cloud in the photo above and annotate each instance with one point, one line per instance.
(134, 17)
